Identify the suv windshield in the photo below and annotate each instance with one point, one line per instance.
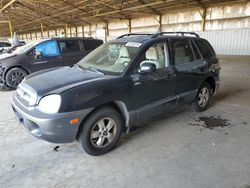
(111, 57)
(26, 47)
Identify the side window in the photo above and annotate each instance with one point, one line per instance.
(91, 44)
(182, 51)
(69, 46)
(196, 52)
(1, 44)
(7, 44)
(156, 54)
(205, 48)
(48, 48)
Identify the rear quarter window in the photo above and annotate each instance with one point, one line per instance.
(205, 48)
(91, 44)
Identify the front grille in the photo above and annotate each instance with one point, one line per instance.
(26, 95)
(1, 70)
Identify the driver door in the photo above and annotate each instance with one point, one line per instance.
(49, 55)
(154, 92)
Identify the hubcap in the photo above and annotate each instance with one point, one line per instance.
(203, 97)
(103, 132)
(16, 78)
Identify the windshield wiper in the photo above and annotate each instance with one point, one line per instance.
(89, 68)
(78, 66)
(94, 70)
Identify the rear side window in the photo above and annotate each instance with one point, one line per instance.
(182, 51)
(91, 44)
(205, 48)
(69, 46)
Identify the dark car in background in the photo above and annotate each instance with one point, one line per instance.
(43, 54)
(117, 86)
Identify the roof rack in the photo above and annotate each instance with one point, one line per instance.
(155, 35)
(177, 34)
(135, 34)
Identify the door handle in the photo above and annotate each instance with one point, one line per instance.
(171, 75)
(137, 83)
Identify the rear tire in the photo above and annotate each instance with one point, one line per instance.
(203, 97)
(101, 131)
(14, 77)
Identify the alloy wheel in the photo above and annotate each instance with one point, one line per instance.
(203, 97)
(103, 132)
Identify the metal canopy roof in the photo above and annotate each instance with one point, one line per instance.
(27, 15)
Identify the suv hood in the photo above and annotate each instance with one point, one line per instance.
(59, 79)
(6, 56)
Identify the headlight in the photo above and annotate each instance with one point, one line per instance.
(50, 104)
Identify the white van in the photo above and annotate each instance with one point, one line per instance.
(4, 46)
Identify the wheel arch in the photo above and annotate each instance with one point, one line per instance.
(119, 106)
(211, 81)
(16, 66)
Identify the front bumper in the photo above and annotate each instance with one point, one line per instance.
(54, 128)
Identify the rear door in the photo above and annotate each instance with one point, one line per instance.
(49, 56)
(71, 50)
(190, 68)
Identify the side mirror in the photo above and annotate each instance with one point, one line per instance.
(38, 54)
(147, 67)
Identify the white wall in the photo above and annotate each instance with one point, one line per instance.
(229, 42)
(227, 27)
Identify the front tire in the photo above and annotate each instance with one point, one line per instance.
(14, 77)
(203, 97)
(101, 131)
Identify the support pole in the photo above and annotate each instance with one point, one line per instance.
(129, 26)
(203, 22)
(106, 31)
(10, 27)
(66, 30)
(41, 30)
(159, 20)
(83, 31)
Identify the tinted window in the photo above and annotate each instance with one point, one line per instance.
(196, 52)
(6, 44)
(69, 46)
(182, 51)
(48, 48)
(205, 48)
(91, 44)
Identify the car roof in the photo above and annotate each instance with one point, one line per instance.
(73, 38)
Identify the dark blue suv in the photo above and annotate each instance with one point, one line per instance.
(117, 86)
